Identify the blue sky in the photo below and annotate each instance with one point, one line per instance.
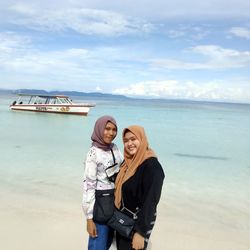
(182, 49)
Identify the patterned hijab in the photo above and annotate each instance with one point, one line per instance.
(97, 135)
(131, 163)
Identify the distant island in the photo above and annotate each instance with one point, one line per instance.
(111, 96)
(57, 92)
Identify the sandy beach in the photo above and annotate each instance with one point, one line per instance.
(32, 222)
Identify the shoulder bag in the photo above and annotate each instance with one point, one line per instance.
(122, 222)
(104, 199)
(104, 205)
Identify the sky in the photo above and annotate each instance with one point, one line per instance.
(182, 49)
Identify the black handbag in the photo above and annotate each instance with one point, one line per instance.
(104, 205)
(104, 199)
(122, 222)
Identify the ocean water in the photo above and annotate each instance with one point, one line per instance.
(204, 149)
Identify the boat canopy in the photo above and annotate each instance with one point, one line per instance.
(43, 99)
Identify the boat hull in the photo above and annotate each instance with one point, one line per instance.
(50, 108)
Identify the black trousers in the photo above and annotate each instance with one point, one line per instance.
(123, 243)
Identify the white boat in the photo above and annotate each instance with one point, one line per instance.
(60, 104)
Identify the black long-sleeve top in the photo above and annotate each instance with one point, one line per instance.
(143, 191)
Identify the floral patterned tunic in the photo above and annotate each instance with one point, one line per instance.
(95, 176)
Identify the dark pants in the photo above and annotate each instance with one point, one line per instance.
(125, 243)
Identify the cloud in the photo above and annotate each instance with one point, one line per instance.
(149, 88)
(216, 90)
(166, 9)
(112, 19)
(98, 89)
(213, 57)
(20, 57)
(82, 20)
(22, 64)
(223, 58)
(80, 68)
(10, 42)
(242, 32)
(189, 32)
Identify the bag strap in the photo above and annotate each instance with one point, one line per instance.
(134, 214)
(111, 178)
(113, 155)
(123, 207)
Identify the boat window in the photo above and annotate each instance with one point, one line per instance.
(30, 99)
(63, 100)
(52, 101)
(58, 100)
(41, 100)
(67, 100)
(23, 100)
(35, 100)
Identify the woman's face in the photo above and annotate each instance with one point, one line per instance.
(110, 132)
(131, 143)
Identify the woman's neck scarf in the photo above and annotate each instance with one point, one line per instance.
(131, 163)
(97, 135)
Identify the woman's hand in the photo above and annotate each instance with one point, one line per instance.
(91, 228)
(137, 241)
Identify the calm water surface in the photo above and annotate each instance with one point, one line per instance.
(203, 148)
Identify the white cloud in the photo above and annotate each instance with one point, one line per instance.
(152, 88)
(213, 57)
(98, 89)
(159, 9)
(82, 20)
(23, 65)
(23, 9)
(223, 58)
(216, 90)
(156, 10)
(12, 42)
(242, 32)
(189, 32)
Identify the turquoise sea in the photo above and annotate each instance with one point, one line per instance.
(203, 147)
